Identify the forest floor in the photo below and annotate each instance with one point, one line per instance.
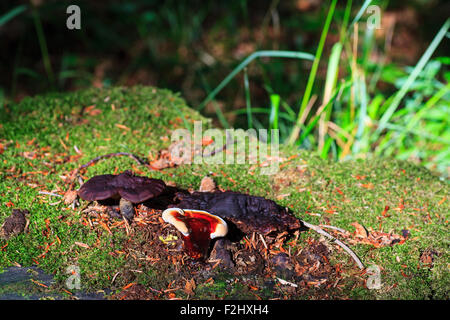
(393, 214)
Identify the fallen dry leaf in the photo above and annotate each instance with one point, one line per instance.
(160, 163)
(190, 287)
(128, 286)
(427, 257)
(375, 238)
(361, 231)
(369, 185)
(29, 155)
(95, 112)
(175, 155)
(121, 126)
(81, 244)
(70, 196)
(206, 141)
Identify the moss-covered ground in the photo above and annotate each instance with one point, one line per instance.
(43, 139)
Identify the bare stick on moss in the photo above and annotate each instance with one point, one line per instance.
(75, 175)
(338, 242)
(116, 154)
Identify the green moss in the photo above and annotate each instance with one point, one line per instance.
(39, 136)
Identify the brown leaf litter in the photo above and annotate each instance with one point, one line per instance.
(375, 238)
(155, 247)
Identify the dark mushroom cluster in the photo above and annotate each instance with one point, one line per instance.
(248, 213)
(125, 186)
(200, 216)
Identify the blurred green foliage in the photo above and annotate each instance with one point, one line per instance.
(191, 47)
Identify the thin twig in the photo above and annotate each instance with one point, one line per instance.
(115, 154)
(114, 278)
(338, 242)
(228, 142)
(75, 174)
(287, 283)
(263, 241)
(50, 194)
(127, 226)
(334, 228)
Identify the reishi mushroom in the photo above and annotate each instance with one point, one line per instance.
(126, 186)
(249, 213)
(197, 228)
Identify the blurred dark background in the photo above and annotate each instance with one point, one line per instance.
(186, 46)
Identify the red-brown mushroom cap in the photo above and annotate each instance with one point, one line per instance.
(197, 227)
(138, 189)
(125, 185)
(249, 213)
(98, 188)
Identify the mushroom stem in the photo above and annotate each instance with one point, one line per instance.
(197, 242)
(126, 208)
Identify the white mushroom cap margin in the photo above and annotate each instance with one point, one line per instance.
(170, 216)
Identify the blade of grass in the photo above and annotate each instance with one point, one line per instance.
(346, 149)
(326, 147)
(417, 132)
(221, 116)
(2, 98)
(374, 106)
(330, 84)
(28, 72)
(288, 109)
(281, 115)
(243, 64)
(332, 71)
(321, 110)
(335, 136)
(12, 13)
(334, 127)
(344, 30)
(217, 109)
(274, 108)
(419, 115)
(313, 122)
(362, 113)
(355, 72)
(284, 104)
(360, 12)
(382, 60)
(367, 47)
(312, 75)
(43, 46)
(333, 99)
(248, 103)
(305, 115)
(412, 77)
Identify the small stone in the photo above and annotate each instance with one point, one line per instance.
(207, 185)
